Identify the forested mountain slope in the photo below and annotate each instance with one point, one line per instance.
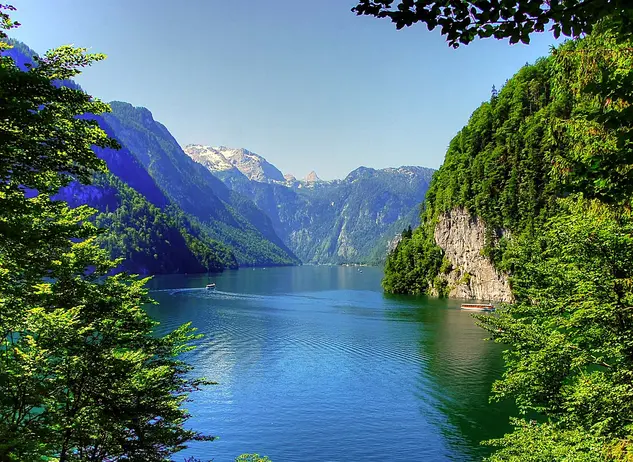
(138, 222)
(150, 228)
(498, 170)
(152, 240)
(340, 221)
(224, 215)
(505, 171)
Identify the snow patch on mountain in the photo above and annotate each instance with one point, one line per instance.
(222, 158)
(208, 156)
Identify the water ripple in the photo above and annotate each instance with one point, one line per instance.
(317, 370)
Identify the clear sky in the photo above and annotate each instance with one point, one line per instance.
(306, 84)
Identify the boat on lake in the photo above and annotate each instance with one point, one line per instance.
(211, 286)
(477, 306)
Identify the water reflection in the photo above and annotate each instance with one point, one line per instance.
(462, 366)
(315, 363)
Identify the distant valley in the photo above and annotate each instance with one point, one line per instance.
(324, 222)
(165, 209)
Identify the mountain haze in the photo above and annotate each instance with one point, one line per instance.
(225, 215)
(340, 221)
(205, 208)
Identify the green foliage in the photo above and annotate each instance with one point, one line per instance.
(571, 329)
(463, 21)
(414, 264)
(155, 241)
(82, 377)
(446, 267)
(54, 148)
(593, 78)
(252, 458)
(532, 442)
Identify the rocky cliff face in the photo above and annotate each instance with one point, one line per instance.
(393, 243)
(312, 177)
(229, 160)
(462, 237)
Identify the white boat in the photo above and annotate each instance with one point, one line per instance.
(211, 286)
(478, 306)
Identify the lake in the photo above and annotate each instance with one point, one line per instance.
(315, 363)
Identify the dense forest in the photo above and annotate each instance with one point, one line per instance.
(508, 166)
(155, 241)
(546, 163)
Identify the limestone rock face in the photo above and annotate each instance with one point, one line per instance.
(223, 159)
(393, 243)
(312, 177)
(462, 237)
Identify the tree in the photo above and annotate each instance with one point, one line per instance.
(594, 77)
(571, 332)
(83, 376)
(461, 21)
(550, 161)
(252, 458)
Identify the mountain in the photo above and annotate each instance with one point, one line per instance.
(143, 226)
(217, 207)
(138, 221)
(161, 211)
(150, 239)
(497, 183)
(312, 177)
(235, 162)
(225, 215)
(340, 221)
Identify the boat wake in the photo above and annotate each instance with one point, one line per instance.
(176, 291)
(203, 292)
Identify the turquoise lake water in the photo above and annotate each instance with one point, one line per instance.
(315, 363)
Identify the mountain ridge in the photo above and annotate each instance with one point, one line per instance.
(225, 214)
(349, 220)
(221, 158)
(231, 206)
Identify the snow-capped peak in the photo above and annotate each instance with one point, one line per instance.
(254, 166)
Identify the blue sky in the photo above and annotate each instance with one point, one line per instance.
(306, 84)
